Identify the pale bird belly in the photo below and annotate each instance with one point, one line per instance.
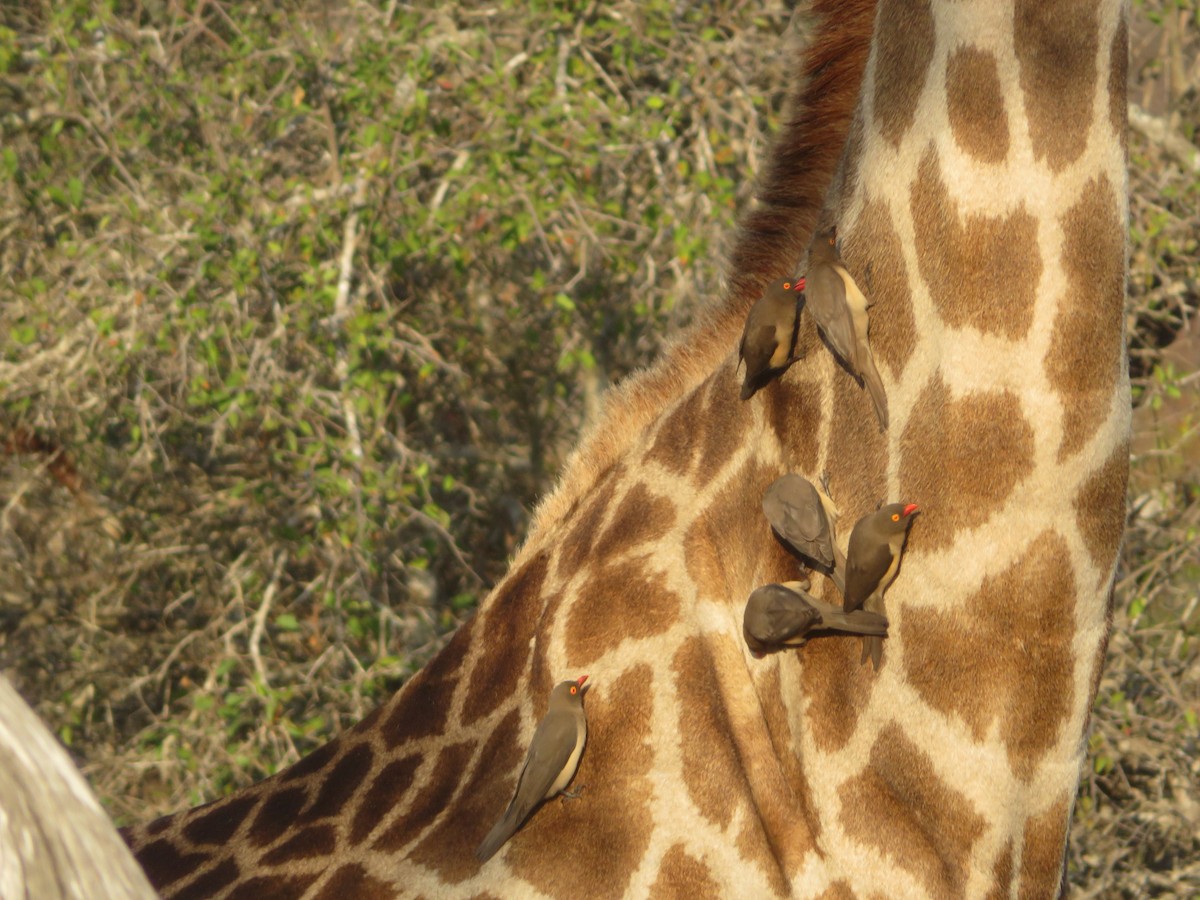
(890, 575)
(783, 340)
(568, 772)
(874, 603)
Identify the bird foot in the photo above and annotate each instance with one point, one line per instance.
(571, 795)
(825, 484)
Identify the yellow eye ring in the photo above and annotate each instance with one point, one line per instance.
(895, 517)
(787, 285)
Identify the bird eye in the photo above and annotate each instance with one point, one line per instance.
(574, 690)
(895, 517)
(787, 285)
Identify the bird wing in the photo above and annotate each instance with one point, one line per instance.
(794, 509)
(793, 503)
(826, 293)
(866, 563)
(552, 745)
(865, 362)
(789, 616)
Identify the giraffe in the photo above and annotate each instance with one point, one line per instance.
(972, 155)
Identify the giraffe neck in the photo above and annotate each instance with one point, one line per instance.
(985, 222)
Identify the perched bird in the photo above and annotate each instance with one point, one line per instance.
(801, 515)
(770, 334)
(549, 765)
(871, 563)
(840, 311)
(783, 615)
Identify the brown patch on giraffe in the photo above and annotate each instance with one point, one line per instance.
(353, 881)
(641, 516)
(736, 509)
(277, 814)
(383, 796)
(368, 722)
(449, 848)
(310, 843)
(966, 261)
(683, 877)
(1045, 841)
(218, 825)
(421, 707)
(1056, 46)
(511, 615)
(839, 890)
(340, 784)
(577, 546)
(770, 690)
(1118, 83)
(1002, 657)
(435, 793)
(754, 845)
(722, 428)
(164, 864)
(892, 327)
(314, 762)
(1100, 510)
(604, 833)
(208, 884)
(712, 771)
(975, 104)
(213, 881)
(273, 887)
(832, 712)
(677, 443)
(1087, 345)
(1002, 874)
(624, 600)
(901, 808)
(904, 45)
(966, 487)
(794, 413)
(158, 826)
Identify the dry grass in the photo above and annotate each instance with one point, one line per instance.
(302, 306)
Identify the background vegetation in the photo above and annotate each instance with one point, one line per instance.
(302, 304)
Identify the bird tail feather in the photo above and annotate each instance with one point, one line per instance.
(872, 647)
(501, 832)
(875, 388)
(858, 622)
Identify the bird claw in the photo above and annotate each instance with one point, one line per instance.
(825, 484)
(571, 795)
